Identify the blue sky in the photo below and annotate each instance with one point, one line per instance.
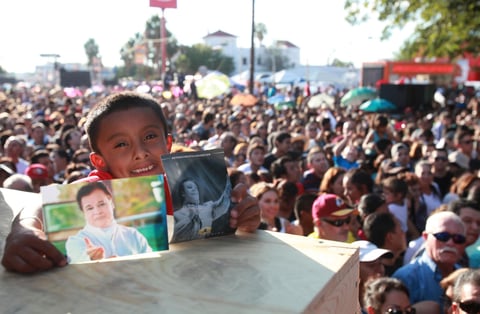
(318, 27)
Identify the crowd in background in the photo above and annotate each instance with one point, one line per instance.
(404, 187)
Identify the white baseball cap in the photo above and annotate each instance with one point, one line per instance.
(369, 252)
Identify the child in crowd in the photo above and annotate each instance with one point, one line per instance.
(317, 164)
(395, 192)
(119, 150)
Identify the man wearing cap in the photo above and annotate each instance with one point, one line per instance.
(371, 264)
(331, 218)
(39, 175)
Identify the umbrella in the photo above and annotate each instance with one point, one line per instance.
(284, 105)
(357, 96)
(278, 98)
(72, 92)
(316, 101)
(212, 85)
(243, 99)
(378, 105)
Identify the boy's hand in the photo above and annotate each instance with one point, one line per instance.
(245, 216)
(26, 251)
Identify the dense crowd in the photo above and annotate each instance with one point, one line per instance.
(404, 187)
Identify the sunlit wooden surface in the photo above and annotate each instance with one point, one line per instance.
(264, 272)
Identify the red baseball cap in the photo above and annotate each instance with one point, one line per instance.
(327, 205)
(37, 171)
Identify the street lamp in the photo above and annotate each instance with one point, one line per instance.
(252, 50)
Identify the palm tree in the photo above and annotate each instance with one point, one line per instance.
(91, 49)
(260, 32)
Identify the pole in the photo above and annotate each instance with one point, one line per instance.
(252, 51)
(163, 43)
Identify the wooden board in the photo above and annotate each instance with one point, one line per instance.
(264, 272)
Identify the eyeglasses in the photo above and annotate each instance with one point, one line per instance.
(409, 310)
(470, 307)
(445, 236)
(441, 158)
(338, 222)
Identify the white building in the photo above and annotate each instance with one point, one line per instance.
(227, 43)
(296, 72)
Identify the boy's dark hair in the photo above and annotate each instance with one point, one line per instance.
(395, 185)
(118, 102)
(88, 189)
(376, 227)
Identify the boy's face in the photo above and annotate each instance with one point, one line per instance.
(131, 144)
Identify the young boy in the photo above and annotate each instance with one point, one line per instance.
(128, 135)
(317, 164)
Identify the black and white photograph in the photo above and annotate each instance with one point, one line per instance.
(200, 190)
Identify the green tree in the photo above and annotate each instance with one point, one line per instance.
(91, 50)
(198, 55)
(444, 28)
(152, 34)
(340, 63)
(260, 32)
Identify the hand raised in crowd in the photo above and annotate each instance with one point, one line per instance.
(245, 216)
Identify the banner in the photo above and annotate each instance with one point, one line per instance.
(164, 4)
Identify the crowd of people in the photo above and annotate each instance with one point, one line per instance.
(404, 187)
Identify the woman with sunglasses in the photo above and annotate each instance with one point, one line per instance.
(466, 293)
(386, 295)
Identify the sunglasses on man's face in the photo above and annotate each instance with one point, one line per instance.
(470, 307)
(338, 222)
(445, 236)
(409, 310)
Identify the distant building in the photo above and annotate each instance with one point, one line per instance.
(227, 43)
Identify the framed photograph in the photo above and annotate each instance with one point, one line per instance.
(104, 219)
(200, 189)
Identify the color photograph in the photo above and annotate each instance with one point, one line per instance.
(105, 219)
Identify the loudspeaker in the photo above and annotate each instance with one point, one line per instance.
(416, 96)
